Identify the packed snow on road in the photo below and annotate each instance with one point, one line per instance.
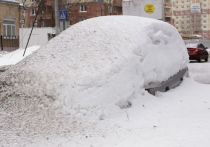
(86, 88)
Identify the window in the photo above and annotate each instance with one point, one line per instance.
(83, 8)
(9, 28)
(33, 12)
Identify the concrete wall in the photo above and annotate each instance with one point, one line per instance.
(144, 8)
(38, 37)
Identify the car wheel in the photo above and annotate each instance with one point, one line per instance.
(167, 89)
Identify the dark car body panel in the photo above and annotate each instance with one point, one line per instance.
(198, 53)
(170, 83)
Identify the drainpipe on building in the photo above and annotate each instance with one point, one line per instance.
(1, 41)
(101, 2)
(163, 11)
(1, 37)
(57, 29)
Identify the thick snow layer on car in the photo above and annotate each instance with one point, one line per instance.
(208, 50)
(191, 45)
(109, 51)
(200, 73)
(96, 67)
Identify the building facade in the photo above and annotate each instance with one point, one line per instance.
(46, 17)
(9, 18)
(116, 7)
(192, 17)
(81, 10)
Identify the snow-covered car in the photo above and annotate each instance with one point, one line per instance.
(94, 66)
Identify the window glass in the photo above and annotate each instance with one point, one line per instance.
(4, 31)
(9, 28)
(13, 30)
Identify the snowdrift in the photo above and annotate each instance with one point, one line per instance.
(16, 56)
(97, 65)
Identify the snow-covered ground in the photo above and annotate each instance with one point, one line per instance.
(178, 118)
(12, 58)
(200, 72)
(92, 84)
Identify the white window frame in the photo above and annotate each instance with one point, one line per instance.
(9, 24)
(33, 12)
(83, 8)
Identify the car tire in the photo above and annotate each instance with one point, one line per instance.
(206, 60)
(167, 89)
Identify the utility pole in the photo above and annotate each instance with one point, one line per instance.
(40, 6)
(57, 29)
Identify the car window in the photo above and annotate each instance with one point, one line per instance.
(191, 45)
(200, 45)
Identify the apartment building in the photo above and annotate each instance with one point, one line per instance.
(192, 17)
(83, 9)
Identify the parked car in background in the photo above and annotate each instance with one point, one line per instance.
(197, 52)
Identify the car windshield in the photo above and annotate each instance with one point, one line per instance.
(195, 45)
(191, 45)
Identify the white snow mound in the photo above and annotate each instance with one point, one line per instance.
(103, 62)
(106, 59)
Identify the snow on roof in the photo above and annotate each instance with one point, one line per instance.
(94, 66)
(193, 45)
(9, 1)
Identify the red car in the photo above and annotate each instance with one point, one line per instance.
(198, 52)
